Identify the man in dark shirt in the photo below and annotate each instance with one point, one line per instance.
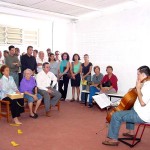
(28, 61)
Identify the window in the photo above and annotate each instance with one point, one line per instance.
(18, 36)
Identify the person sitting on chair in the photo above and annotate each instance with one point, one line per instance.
(109, 82)
(29, 88)
(140, 113)
(44, 80)
(95, 86)
(8, 86)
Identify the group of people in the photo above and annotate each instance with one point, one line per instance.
(48, 78)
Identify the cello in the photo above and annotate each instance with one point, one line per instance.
(127, 101)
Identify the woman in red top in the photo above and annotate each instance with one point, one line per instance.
(109, 82)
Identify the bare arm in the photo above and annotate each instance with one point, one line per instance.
(88, 72)
(139, 93)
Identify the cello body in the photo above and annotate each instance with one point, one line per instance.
(126, 103)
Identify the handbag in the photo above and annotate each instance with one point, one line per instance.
(107, 84)
(84, 82)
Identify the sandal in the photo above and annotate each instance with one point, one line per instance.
(128, 135)
(110, 143)
(35, 114)
(72, 100)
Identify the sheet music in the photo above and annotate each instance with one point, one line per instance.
(102, 100)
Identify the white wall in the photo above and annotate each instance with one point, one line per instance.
(61, 34)
(120, 39)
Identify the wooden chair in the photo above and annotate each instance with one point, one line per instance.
(57, 105)
(135, 140)
(5, 110)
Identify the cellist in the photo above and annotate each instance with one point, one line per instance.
(140, 113)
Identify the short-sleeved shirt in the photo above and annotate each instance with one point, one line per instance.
(27, 85)
(113, 81)
(85, 69)
(97, 79)
(144, 111)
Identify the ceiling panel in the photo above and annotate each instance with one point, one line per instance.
(23, 2)
(63, 8)
(67, 7)
(97, 3)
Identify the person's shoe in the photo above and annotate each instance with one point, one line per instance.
(62, 99)
(81, 102)
(128, 135)
(90, 106)
(78, 100)
(110, 143)
(34, 116)
(72, 100)
(48, 114)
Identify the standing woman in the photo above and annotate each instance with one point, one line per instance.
(54, 65)
(86, 74)
(63, 75)
(75, 69)
(9, 87)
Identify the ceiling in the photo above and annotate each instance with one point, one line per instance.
(73, 8)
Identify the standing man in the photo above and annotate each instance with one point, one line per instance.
(57, 53)
(46, 80)
(40, 60)
(28, 61)
(13, 63)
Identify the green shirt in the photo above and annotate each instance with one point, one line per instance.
(76, 67)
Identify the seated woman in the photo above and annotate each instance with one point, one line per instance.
(28, 87)
(109, 82)
(95, 87)
(9, 87)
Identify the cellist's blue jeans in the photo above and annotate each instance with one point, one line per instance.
(128, 116)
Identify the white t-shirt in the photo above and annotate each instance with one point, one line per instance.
(144, 111)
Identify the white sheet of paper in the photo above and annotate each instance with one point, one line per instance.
(102, 100)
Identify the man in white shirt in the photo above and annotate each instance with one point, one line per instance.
(46, 80)
(140, 113)
(40, 60)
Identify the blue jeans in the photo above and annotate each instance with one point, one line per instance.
(128, 116)
(88, 78)
(93, 90)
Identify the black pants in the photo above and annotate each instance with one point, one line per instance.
(14, 107)
(64, 83)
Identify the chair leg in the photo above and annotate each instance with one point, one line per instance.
(0, 111)
(58, 105)
(134, 140)
(8, 112)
